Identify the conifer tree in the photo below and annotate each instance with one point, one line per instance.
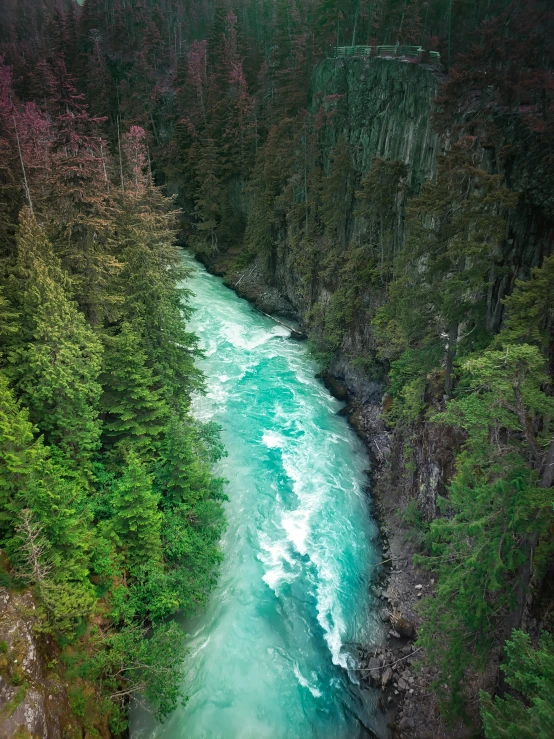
(78, 219)
(18, 453)
(530, 671)
(55, 358)
(381, 189)
(499, 502)
(132, 404)
(455, 226)
(136, 520)
(44, 526)
(530, 311)
(208, 197)
(337, 192)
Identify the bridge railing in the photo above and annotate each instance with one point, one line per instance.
(397, 50)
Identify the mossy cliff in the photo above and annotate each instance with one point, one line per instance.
(386, 106)
(35, 699)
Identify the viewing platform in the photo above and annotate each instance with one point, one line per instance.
(397, 51)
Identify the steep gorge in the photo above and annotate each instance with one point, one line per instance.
(401, 212)
(384, 109)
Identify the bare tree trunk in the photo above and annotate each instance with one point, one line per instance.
(450, 356)
(120, 159)
(25, 182)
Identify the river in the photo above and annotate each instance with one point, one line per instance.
(269, 656)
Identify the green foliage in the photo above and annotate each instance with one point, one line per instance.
(408, 383)
(437, 303)
(495, 502)
(530, 672)
(336, 193)
(381, 190)
(208, 198)
(133, 662)
(530, 308)
(136, 521)
(55, 357)
(108, 507)
(134, 410)
(18, 453)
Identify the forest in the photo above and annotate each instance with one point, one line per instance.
(130, 127)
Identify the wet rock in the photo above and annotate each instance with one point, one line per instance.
(386, 677)
(374, 664)
(334, 386)
(406, 723)
(405, 627)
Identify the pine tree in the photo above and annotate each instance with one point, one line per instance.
(530, 311)
(455, 227)
(379, 203)
(151, 303)
(78, 220)
(18, 453)
(530, 671)
(337, 191)
(132, 404)
(499, 502)
(208, 197)
(136, 520)
(44, 524)
(55, 358)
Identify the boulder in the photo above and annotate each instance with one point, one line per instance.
(386, 677)
(405, 627)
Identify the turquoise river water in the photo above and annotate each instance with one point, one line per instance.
(270, 655)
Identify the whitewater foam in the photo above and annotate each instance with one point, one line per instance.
(275, 555)
(306, 683)
(273, 440)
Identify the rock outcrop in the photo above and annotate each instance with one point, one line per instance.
(33, 698)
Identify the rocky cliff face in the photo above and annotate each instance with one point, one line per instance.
(384, 109)
(33, 700)
(36, 702)
(383, 106)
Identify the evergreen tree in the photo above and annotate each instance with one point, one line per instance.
(337, 192)
(132, 406)
(44, 525)
(55, 358)
(150, 300)
(455, 227)
(208, 197)
(18, 453)
(530, 671)
(499, 501)
(136, 521)
(379, 203)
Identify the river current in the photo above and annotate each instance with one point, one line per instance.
(270, 656)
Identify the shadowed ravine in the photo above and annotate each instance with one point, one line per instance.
(269, 655)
